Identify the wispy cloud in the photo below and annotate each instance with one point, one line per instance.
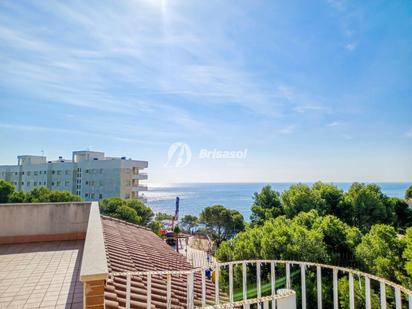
(337, 4)
(335, 124)
(350, 46)
(135, 46)
(408, 133)
(44, 129)
(287, 130)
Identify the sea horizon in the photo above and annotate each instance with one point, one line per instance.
(236, 195)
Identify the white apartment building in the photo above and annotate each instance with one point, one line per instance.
(89, 174)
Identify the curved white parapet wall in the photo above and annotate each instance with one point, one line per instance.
(284, 298)
(288, 302)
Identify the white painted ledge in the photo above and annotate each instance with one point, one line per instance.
(94, 263)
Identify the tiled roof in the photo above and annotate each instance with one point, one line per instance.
(130, 247)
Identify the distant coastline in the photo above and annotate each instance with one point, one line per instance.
(195, 196)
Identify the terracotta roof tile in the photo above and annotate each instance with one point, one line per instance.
(130, 247)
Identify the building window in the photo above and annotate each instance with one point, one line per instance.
(44, 183)
(28, 173)
(87, 171)
(22, 183)
(58, 183)
(22, 173)
(92, 195)
(44, 172)
(35, 173)
(35, 183)
(86, 195)
(66, 172)
(100, 196)
(101, 171)
(87, 183)
(53, 172)
(15, 173)
(28, 183)
(59, 172)
(67, 183)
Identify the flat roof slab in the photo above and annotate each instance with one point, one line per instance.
(41, 275)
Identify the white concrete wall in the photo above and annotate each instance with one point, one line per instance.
(43, 219)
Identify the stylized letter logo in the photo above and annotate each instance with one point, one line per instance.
(180, 154)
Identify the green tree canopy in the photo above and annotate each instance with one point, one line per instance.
(222, 223)
(129, 210)
(408, 193)
(368, 205)
(279, 238)
(402, 212)
(300, 197)
(332, 200)
(160, 216)
(380, 252)
(126, 213)
(144, 212)
(266, 205)
(407, 254)
(189, 222)
(44, 195)
(6, 189)
(340, 239)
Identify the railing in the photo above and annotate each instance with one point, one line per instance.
(224, 296)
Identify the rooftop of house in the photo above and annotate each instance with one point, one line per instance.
(59, 254)
(130, 247)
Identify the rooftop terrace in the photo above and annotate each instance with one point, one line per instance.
(41, 275)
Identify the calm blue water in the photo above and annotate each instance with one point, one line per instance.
(195, 197)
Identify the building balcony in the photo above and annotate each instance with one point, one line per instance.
(138, 188)
(140, 176)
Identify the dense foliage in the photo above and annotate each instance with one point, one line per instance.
(221, 223)
(306, 237)
(266, 205)
(134, 211)
(408, 193)
(362, 206)
(361, 228)
(160, 216)
(8, 194)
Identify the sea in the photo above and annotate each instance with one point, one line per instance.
(196, 196)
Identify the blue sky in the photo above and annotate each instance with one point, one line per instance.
(313, 90)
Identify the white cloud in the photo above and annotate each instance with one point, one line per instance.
(337, 4)
(287, 130)
(335, 124)
(350, 46)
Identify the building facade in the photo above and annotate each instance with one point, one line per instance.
(89, 174)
